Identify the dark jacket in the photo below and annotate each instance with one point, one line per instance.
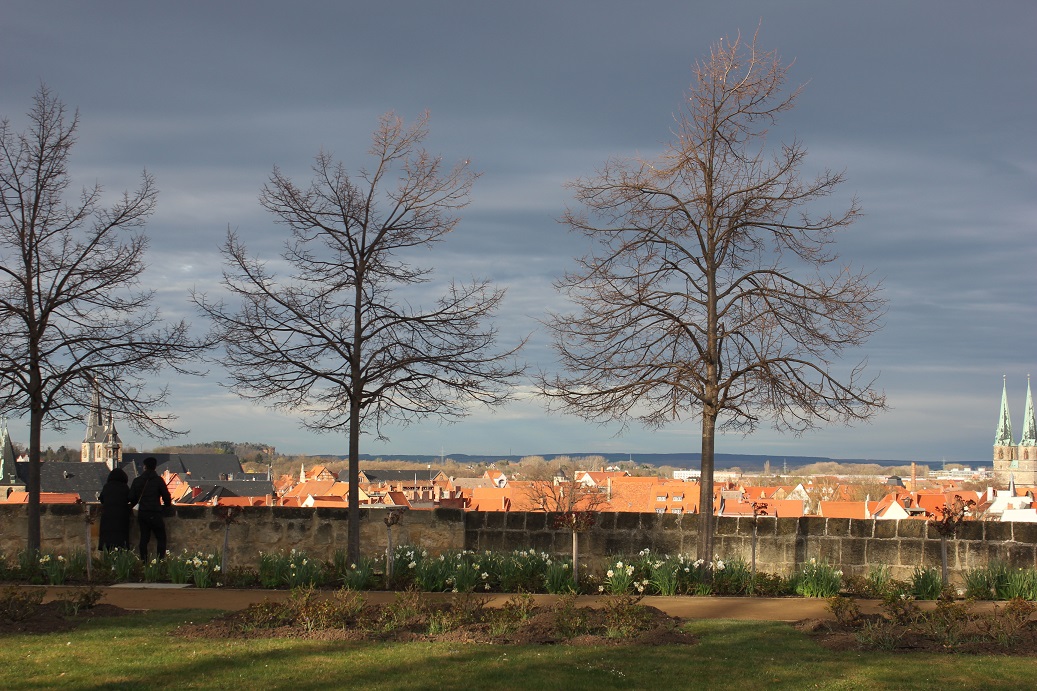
(115, 516)
(148, 492)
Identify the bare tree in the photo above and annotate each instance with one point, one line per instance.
(337, 339)
(71, 310)
(574, 504)
(712, 291)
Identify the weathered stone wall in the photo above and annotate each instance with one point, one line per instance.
(782, 543)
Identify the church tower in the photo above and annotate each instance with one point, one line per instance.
(1013, 461)
(94, 430)
(1026, 452)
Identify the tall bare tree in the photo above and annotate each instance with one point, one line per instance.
(71, 310)
(712, 291)
(339, 339)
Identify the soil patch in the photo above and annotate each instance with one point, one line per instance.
(53, 617)
(460, 624)
(976, 637)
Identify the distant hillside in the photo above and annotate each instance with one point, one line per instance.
(747, 462)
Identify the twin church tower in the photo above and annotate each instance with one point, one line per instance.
(1016, 461)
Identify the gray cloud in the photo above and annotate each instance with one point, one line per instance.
(927, 106)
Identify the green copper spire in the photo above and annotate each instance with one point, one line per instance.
(1029, 422)
(1003, 437)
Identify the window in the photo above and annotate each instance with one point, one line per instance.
(678, 497)
(660, 510)
(661, 497)
(677, 510)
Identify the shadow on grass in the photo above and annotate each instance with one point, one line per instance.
(144, 652)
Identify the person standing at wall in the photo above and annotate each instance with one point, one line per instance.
(150, 494)
(115, 512)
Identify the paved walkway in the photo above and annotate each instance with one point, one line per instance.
(167, 596)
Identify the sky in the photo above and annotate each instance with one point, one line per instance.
(928, 107)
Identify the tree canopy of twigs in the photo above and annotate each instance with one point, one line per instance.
(337, 338)
(712, 291)
(72, 310)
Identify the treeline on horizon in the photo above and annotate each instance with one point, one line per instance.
(259, 457)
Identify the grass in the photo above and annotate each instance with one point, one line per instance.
(138, 652)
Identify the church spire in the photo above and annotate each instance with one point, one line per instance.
(1029, 437)
(1003, 436)
(94, 423)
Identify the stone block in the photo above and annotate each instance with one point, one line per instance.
(62, 510)
(471, 540)
(536, 520)
(448, 515)
(812, 526)
(287, 513)
(515, 520)
(837, 527)
(885, 529)
(606, 520)
(881, 551)
(1025, 533)
(725, 525)
(494, 520)
(912, 552)
(542, 541)
(628, 521)
(853, 552)
(861, 527)
(194, 513)
(996, 531)
(970, 530)
(911, 528)
(1020, 556)
(786, 527)
(474, 520)
(326, 513)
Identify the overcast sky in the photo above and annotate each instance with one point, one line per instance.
(929, 108)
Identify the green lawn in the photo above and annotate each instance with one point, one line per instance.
(139, 652)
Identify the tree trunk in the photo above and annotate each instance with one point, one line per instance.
(389, 561)
(353, 542)
(705, 543)
(576, 559)
(943, 560)
(34, 538)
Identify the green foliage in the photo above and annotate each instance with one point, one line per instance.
(569, 620)
(19, 604)
(120, 564)
(79, 599)
(292, 570)
(558, 579)
(359, 575)
(948, 623)
(926, 583)
(1006, 623)
(979, 583)
(625, 617)
(844, 609)
(1018, 584)
(408, 607)
(879, 634)
(241, 577)
(619, 579)
(900, 608)
(818, 579)
(29, 569)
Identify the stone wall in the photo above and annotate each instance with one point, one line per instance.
(782, 543)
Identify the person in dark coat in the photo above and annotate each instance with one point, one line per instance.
(115, 512)
(150, 494)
